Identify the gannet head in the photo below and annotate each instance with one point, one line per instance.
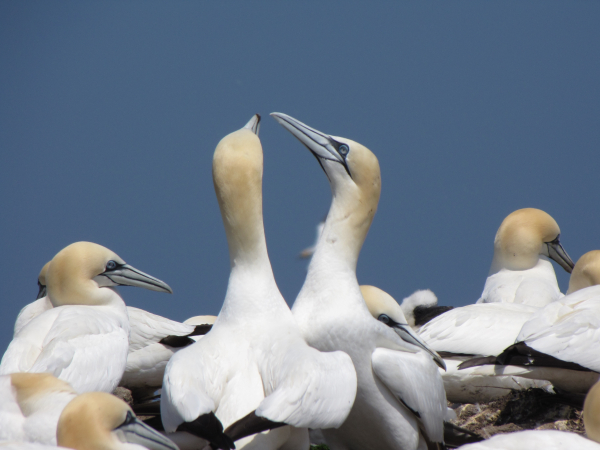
(354, 175)
(384, 308)
(42, 281)
(237, 176)
(30, 388)
(78, 270)
(591, 413)
(586, 272)
(101, 421)
(523, 236)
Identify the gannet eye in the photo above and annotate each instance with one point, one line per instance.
(384, 318)
(343, 149)
(111, 265)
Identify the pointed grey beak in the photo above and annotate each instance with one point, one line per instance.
(41, 291)
(254, 124)
(558, 254)
(406, 334)
(134, 431)
(320, 144)
(126, 275)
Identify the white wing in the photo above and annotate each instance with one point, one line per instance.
(480, 329)
(312, 389)
(568, 329)
(11, 417)
(148, 328)
(30, 312)
(414, 379)
(85, 346)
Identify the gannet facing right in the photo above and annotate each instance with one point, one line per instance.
(84, 338)
(560, 342)
(332, 314)
(521, 271)
(253, 371)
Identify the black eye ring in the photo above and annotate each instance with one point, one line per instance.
(111, 265)
(343, 149)
(384, 318)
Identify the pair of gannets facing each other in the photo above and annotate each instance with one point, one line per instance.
(39, 411)
(253, 371)
(152, 339)
(521, 281)
(332, 314)
(551, 439)
(559, 343)
(84, 338)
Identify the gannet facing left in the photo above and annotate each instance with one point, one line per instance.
(332, 314)
(253, 371)
(84, 338)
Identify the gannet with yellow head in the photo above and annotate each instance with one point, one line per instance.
(253, 371)
(84, 338)
(330, 309)
(559, 343)
(152, 340)
(521, 271)
(100, 421)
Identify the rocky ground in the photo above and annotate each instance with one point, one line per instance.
(533, 409)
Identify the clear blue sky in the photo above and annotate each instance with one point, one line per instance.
(110, 113)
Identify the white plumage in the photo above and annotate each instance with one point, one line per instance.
(332, 313)
(254, 358)
(84, 338)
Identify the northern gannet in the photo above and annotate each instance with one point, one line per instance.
(253, 371)
(521, 271)
(84, 338)
(559, 343)
(332, 314)
(308, 251)
(152, 340)
(521, 281)
(551, 439)
(421, 307)
(30, 405)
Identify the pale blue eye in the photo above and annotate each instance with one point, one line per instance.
(384, 318)
(343, 149)
(111, 265)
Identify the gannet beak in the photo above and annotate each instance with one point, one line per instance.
(320, 144)
(254, 124)
(134, 431)
(403, 330)
(126, 275)
(558, 254)
(41, 291)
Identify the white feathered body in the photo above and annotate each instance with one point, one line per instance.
(378, 419)
(254, 358)
(31, 311)
(535, 440)
(83, 345)
(535, 287)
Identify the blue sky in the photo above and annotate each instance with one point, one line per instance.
(110, 113)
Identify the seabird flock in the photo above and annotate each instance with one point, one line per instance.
(347, 366)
